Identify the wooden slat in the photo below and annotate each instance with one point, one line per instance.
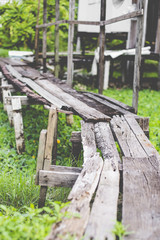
(24, 100)
(49, 97)
(127, 140)
(86, 112)
(143, 140)
(141, 194)
(104, 209)
(100, 23)
(65, 169)
(57, 179)
(81, 194)
(114, 101)
(108, 104)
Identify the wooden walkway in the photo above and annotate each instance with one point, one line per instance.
(129, 177)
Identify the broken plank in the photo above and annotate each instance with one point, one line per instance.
(141, 194)
(45, 94)
(126, 138)
(65, 169)
(57, 179)
(84, 111)
(104, 210)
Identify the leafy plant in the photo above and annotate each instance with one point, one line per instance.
(120, 230)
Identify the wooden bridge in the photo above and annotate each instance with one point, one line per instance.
(106, 181)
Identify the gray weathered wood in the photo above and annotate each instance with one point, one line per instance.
(104, 210)
(99, 23)
(51, 131)
(65, 169)
(24, 100)
(141, 137)
(57, 179)
(141, 193)
(69, 119)
(76, 147)
(49, 97)
(102, 46)
(137, 64)
(44, 46)
(126, 138)
(70, 43)
(41, 152)
(18, 125)
(81, 193)
(56, 49)
(86, 112)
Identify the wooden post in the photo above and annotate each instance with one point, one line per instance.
(69, 119)
(50, 142)
(76, 147)
(70, 44)
(102, 47)
(56, 50)
(18, 124)
(44, 35)
(41, 151)
(137, 64)
(9, 110)
(37, 35)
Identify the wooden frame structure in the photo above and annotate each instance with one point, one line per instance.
(138, 13)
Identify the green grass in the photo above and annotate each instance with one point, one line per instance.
(3, 52)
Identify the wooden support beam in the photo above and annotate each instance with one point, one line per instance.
(102, 46)
(44, 35)
(76, 147)
(57, 179)
(137, 64)
(56, 49)
(70, 44)
(18, 125)
(65, 169)
(41, 152)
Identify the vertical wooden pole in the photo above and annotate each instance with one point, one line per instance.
(44, 50)
(18, 124)
(137, 63)
(37, 35)
(70, 44)
(102, 47)
(157, 47)
(56, 49)
(76, 147)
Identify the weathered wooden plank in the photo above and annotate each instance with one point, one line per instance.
(41, 152)
(50, 141)
(49, 97)
(57, 179)
(108, 104)
(65, 169)
(114, 101)
(86, 112)
(141, 193)
(81, 193)
(22, 86)
(13, 62)
(107, 22)
(143, 140)
(127, 140)
(104, 210)
(24, 100)
(18, 125)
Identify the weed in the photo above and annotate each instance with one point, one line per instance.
(120, 230)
